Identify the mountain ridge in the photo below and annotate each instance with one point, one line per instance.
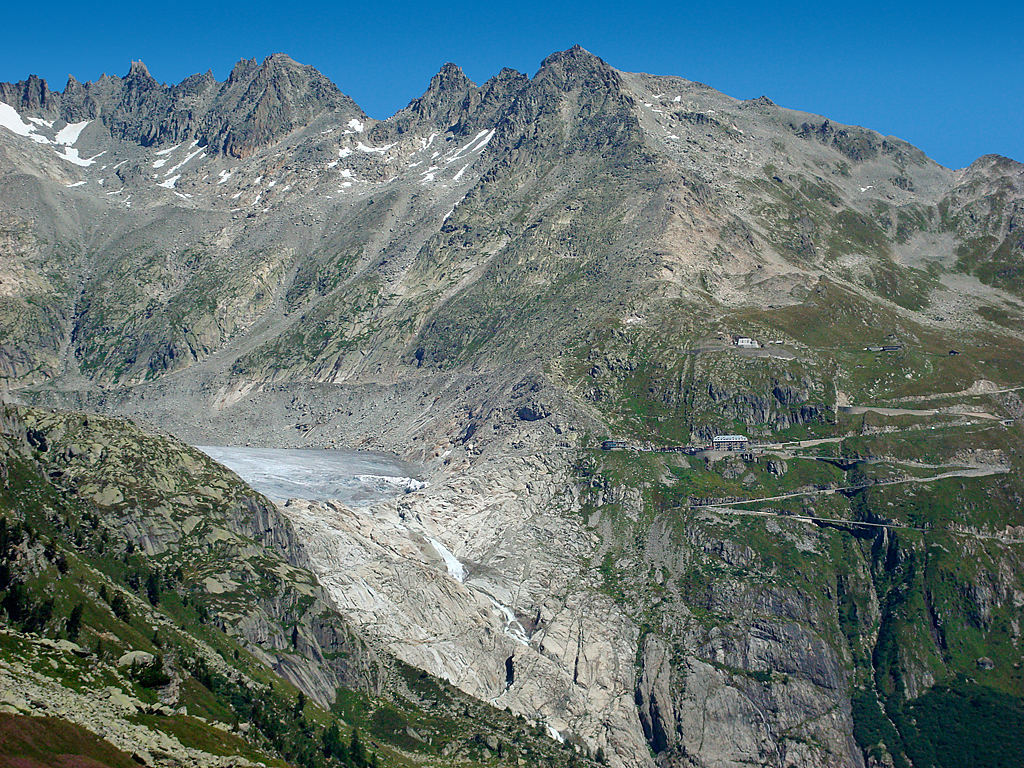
(501, 279)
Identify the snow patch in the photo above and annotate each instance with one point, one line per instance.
(69, 134)
(478, 143)
(167, 151)
(224, 176)
(355, 125)
(11, 120)
(424, 143)
(197, 152)
(76, 184)
(40, 121)
(344, 152)
(71, 155)
(169, 184)
(373, 150)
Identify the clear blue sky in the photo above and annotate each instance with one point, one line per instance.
(947, 79)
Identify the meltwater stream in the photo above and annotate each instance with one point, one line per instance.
(355, 478)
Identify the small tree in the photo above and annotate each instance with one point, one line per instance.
(153, 588)
(119, 606)
(333, 745)
(74, 624)
(356, 749)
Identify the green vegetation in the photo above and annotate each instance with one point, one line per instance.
(904, 602)
(36, 742)
(78, 562)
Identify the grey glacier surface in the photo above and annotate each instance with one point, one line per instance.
(355, 478)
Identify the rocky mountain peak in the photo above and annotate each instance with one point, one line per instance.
(450, 77)
(31, 95)
(139, 72)
(242, 69)
(760, 101)
(998, 164)
(567, 69)
(280, 60)
(449, 94)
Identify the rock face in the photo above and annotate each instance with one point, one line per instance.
(199, 641)
(492, 282)
(258, 105)
(461, 582)
(235, 544)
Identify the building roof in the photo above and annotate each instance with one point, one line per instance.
(731, 438)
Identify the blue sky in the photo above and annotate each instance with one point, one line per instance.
(945, 79)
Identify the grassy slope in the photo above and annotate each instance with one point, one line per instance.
(66, 543)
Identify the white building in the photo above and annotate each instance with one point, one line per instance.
(747, 343)
(730, 442)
